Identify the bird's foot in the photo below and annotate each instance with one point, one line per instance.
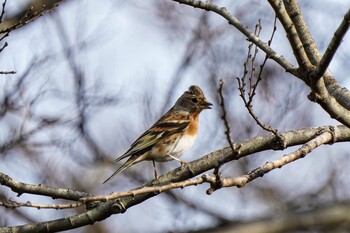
(183, 164)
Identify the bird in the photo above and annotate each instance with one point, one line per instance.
(173, 134)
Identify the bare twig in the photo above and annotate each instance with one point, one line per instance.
(262, 66)
(42, 190)
(209, 6)
(14, 204)
(3, 11)
(332, 47)
(292, 34)
(253, 85)
(7, 72)
(30, 16)
(224, 117)
(3, 47)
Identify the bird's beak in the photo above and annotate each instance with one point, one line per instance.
(206, 104)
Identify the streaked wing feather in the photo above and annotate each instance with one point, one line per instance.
(160, 130)
(146, 140)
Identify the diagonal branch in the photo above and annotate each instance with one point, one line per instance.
(209, 6)
(29, 17)
(308, 43)
(292, 34)
(103, 210)
(300, 38)
(342, 95)
(323, 138)
(332, 47)
(3, 11)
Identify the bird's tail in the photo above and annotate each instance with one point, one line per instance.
(131, 161)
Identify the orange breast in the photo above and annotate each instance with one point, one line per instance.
(193, 126)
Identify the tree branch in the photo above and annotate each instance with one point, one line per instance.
(40, 189)
(324, 138)
(199, 166)
(14, 204)
(209, 6)
(3, 11)
(308, 43)
(332, 47)
(321, 95)
(7, 72)
(224, 117)
(292, 34)
(29, 16)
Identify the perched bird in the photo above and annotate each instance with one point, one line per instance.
(173, 134)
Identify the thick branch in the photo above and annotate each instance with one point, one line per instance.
(303, 32)
(42, 190)
(321, 95)
(224, 116)
(342, 95)
(207, 162)
(323, 138)
(292, 34)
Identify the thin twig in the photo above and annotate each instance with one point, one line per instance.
(252, 63)
(209, 6)
(224, 116)
(253, 86)
(3, 47)
(3, 11)
(14, 204)
(29, 17)
(8, 72)
(332, 47)
(262, 66)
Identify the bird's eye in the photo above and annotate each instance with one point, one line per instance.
(194, 100)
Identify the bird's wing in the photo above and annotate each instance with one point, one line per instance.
(166, 126)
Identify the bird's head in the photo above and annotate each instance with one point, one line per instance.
(192, 100)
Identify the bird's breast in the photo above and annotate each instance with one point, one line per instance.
(183, 144)
(176, 144)
(175, 148)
